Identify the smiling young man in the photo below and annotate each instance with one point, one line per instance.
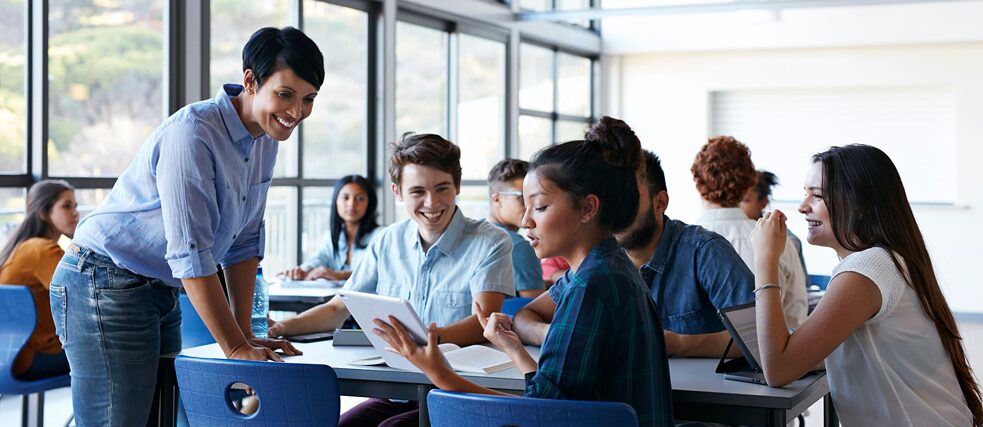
(506, 210)
(691, 273)
(438, 260)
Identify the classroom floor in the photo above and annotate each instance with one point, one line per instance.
(58, 403)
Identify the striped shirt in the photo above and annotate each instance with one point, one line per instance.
(605, 342)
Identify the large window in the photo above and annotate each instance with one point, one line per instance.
(105, 73)
(481, 104)
(335, 136)
(421, 79)
(107, 86)
(554, 97)
(13, 103)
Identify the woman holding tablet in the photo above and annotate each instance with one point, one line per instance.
(576, 195)
(893, 352)
(193, 197)
(353, 226)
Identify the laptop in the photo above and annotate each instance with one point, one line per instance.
(742, 325)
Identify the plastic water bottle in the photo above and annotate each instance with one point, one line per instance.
(261, 305)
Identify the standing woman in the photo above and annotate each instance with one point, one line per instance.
(353, 226)
(605, 341)
(192, 198)
(29, 259)
(893, 352)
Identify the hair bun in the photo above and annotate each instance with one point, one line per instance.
(617, 141)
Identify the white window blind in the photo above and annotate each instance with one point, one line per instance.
(784, 128)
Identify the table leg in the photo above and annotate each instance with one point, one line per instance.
(421, 398)
(829, 412)
(32, 410)
(163, 413)
(776, 418)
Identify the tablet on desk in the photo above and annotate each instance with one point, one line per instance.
(365, 307)
(315, 337)
(742, 325)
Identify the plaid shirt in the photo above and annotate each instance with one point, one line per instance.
(605, 342)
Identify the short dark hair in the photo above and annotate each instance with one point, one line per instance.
(271, 49)
(425, 149)
(506, 170)
(605, 164)
(655, 177)
(766, 180)
(723, 171)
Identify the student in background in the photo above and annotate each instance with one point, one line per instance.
(893, 351)
(506, 210)
(690, 273)
(29, 259)
(353, 225)
(758, 198)
(604, 342)
(723, 174)
(438, 259)
(553, 269)
(193, 197)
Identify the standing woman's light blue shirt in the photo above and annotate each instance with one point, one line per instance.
(327, 257)
(193, 197)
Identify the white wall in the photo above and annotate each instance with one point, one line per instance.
(665, 98)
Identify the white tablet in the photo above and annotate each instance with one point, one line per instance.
(365, 307)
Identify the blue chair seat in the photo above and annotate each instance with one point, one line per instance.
(289, 393)
(452, 409)
(18, 318)
(513, 305)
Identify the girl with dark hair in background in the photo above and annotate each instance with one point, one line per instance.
(576, 195)
(29, 259)
(893, 352)
(353, 226)
(193, 198)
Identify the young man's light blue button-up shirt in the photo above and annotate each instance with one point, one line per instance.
(327, 257)
(471, 256)
(193, 197)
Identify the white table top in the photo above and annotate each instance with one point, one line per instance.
(692, 379)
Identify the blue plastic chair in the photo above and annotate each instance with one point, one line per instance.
(289, 393)
(819, 281)
(18, 317)
(513, 305)
(194, 333)
(455, 409)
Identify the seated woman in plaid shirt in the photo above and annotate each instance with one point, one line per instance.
(605, 341)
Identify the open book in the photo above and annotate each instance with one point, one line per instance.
(475, 359)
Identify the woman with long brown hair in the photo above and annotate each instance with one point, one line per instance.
(893, 352)
(29, 259)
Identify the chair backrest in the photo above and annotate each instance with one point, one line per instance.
(193, 330)
(819, 281)
(289, 393)
(450, 409)
(513, 305)
(17, 321)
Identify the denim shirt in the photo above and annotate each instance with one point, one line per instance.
(693, 273)
(470, 257)
(327, 257)
(193, 196)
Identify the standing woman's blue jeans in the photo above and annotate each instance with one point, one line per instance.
(113, 325)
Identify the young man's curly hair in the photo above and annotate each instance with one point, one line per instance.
(723, 171)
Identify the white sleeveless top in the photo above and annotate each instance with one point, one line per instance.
(893, 370)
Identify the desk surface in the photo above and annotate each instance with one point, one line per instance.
(693, 380)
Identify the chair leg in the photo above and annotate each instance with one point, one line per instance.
(70, 419)
(32, 410)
